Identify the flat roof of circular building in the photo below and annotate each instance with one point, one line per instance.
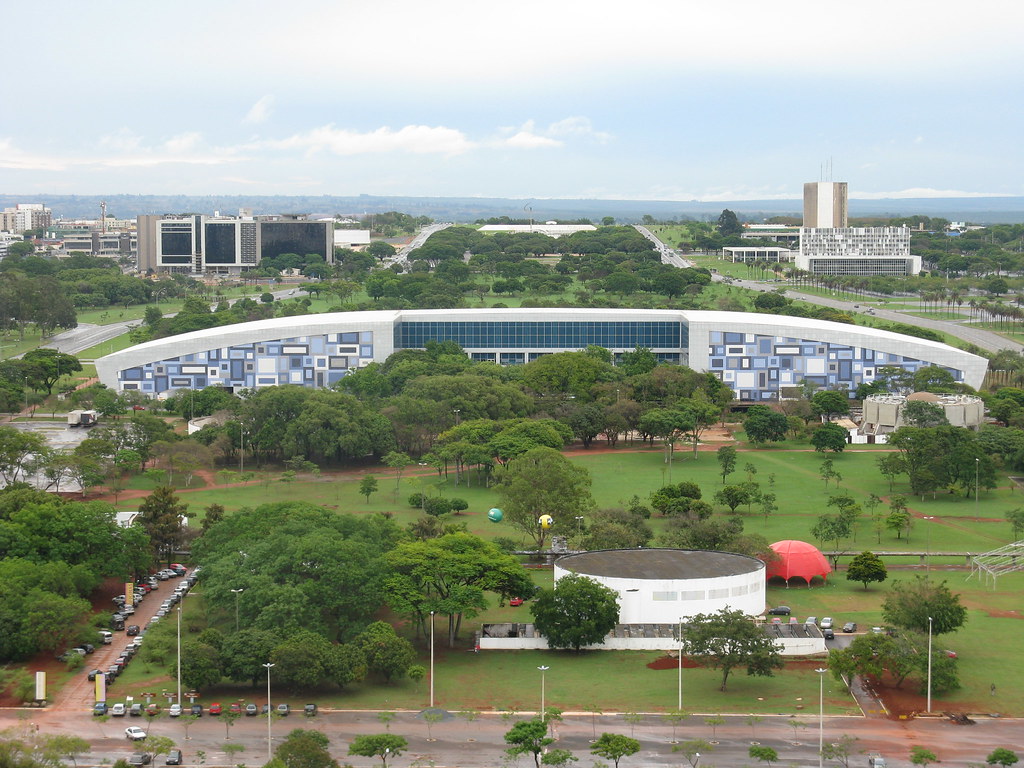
(659, 563)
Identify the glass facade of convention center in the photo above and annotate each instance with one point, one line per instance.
(756, 367)
(311, 361)
(498, 335)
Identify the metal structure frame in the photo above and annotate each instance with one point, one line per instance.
(996, 562)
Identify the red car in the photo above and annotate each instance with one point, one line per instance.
(515, 601)
(152, 709)
(235, 708)
(215, 708)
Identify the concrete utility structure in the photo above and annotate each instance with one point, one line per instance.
(825, 204)
(883, 414)
(662, 586)
(755, 355)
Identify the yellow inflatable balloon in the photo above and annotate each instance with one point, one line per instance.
(545, 521)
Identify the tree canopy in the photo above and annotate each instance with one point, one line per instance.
(578, 611)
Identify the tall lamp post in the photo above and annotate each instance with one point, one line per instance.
(431, 659)
(542, 713)
(929, 664)
(821, 713)
(237, 592)
(270, 711)
(179, 654)
(679, 700)
(977, 465)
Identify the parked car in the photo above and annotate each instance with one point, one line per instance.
(140, 758)
(178, 569)
(93, 673)
(215, 708)
(826, 623)
(877, 630)
(850, 626)
(951, 654)
(251, 710)
(153, 709)
(118, 710)
(283, 710)
(174, 711)
(173, 757)
(135, 710)
(828, 634)
(265, 709)
(235, 708)
(309, 710)
(134, 733)
(89, 647)
(779, 610)
(99, 709)
(812, 620)
(515, 601)
(106, 637)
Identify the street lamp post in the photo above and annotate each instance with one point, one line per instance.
(431, 659)
(929, 664)
(270, 711)
(237, 592)
(579, 524)
(928, 545)
(179, 653)
(679, 699)
(542, 671)
(977, 465)
(821, 713)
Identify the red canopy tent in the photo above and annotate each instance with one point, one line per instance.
(797, 559)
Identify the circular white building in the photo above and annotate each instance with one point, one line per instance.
(662, 586)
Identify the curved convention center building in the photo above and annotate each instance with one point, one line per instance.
(663, 586)
(756, 355)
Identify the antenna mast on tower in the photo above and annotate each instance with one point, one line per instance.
(103, 217)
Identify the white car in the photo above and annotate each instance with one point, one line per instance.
(118, 710)
(826, 623)
(175, 710)
(134, 733)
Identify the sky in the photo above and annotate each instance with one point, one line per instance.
(643, 100)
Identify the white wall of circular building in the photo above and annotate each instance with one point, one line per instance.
(662, 586)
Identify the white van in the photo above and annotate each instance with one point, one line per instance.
(106, 637)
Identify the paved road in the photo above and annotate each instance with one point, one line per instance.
(669, 255)
(458, 742)
(984, 339)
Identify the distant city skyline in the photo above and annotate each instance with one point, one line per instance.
(651, 100)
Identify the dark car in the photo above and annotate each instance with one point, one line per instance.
(173, 757)
(99, 708)
(309, 710)
(779, 610)
(265, 709)
(93, 673)
(140, 758)
(132, 630)
(850, 626)
(828, 634)
(89, 647)
(251, 710)
(283, 710)
(135, 710)
(196, 709)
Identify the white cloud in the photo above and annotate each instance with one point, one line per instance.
(528, 136)
(415, 139)
(577, 126)
(260, 111)
(922, 192)
(15, 159)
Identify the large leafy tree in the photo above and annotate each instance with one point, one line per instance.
(729, 639)
(50, 365)
(161, 515)
(450, 575)
(922, 602)
(614, 747)
(542, 482)
(305, 749)
(865, 568)
(528, 737)
(764, 425)
(382, 745)
(578, 611)
(386, 654)
(301, 566)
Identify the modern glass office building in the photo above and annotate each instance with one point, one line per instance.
(756, 355)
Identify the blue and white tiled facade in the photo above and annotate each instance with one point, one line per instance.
(756, 366)
(756, 355)
(310, 361)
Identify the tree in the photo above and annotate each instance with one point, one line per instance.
(839, 750)
(161, 515)
(578, 611)
(382, 745)
(919, 413)
(542, 482)
(692, 749)
(729, 639)
(528, 737)
(614, 747)
(829, 437)
(305, 749)
(728, 224)
(910, 604)
(763, 753)
(726, 460)
(558, 757)
(398, 461)
(764, 425)
(1001, 756)
(386, 653)
(732, 496)
(922, 757)
(48, 365)
(1015, 517)
(865, 568)
(367, 486)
